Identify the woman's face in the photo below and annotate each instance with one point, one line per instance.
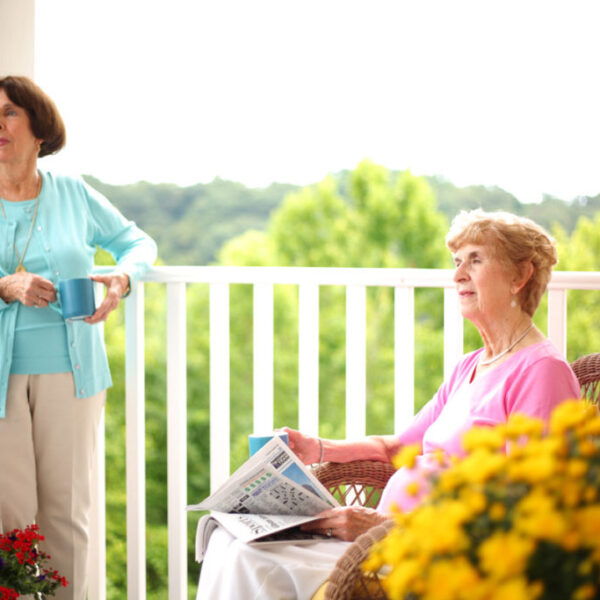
(483, 283)
(17, 142)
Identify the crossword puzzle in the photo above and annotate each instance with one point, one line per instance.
(288, 496)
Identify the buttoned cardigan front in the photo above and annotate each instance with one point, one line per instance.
(73, 220)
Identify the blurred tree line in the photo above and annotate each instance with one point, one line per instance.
(190, 224)
(368, 217)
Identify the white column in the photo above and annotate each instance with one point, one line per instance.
(17, 37)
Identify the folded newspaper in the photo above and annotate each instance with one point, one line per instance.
(265, 500)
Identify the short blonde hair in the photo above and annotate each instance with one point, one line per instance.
(513, 240)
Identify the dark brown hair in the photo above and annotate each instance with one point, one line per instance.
(45, 120)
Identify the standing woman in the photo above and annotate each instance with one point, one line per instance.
(53, 373)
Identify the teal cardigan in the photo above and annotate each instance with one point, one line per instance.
(72, 220)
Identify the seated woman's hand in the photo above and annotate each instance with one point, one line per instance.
(305, 447)
(345, 522)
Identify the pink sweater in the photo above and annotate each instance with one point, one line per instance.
(532, 381)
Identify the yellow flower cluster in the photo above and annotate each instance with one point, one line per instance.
(518, 518)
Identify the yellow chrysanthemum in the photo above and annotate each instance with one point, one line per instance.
(590, 427)
(570, 492)
(407, 456)
(542, 489)
(589, 447)
(585, 592)
(505, 554)
(450, 579)
(551, 446)
(590, 493)
(537, 516)
(474, 499)
(491, 438)
(569, 415)
(532, 469)
(519, 426)
(577, 468)
(480, 465)
(412, 488)
(402, 577)
(515, 589)
(571, 540)
(497, 511)
(587, 520)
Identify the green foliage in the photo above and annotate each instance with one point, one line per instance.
(581, 252)
(190, 224)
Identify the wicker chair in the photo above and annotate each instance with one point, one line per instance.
(359, 482)
(587, 370)
(364, 486)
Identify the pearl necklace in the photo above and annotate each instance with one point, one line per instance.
(498, 356)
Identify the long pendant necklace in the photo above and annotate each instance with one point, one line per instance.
(21, 257)
(498, 356)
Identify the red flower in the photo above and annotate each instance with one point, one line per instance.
(22, 569)
(8, 594)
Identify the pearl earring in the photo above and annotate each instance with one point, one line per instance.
(513, 303)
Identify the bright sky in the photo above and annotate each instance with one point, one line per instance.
(493, 92)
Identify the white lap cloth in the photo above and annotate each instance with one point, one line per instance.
(233, 570)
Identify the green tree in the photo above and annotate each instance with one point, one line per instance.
(581, 252)
(375, 218)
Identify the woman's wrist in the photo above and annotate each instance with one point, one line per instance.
(5, 291)
(126, 279)
(321, 451)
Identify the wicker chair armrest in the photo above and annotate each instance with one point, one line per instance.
(587, 371)
(345, 579)
(360, 472)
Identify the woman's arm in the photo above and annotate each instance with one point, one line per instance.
(308, 448)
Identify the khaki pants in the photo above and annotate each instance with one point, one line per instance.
(47, 446)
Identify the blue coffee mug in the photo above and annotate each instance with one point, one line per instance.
(77, 298)
(257, 441)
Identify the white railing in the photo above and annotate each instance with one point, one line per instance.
(308, 280)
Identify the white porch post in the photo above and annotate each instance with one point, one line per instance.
(17, 37)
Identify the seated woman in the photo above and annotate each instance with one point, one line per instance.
(503, 265)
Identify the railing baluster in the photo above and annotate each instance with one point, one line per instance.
(308, 358)
(557, 318)
(136, 457)
(356, 354)
(453, 331)
(219, 384)
(177, 439)
(404, 357)
(263, 357)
